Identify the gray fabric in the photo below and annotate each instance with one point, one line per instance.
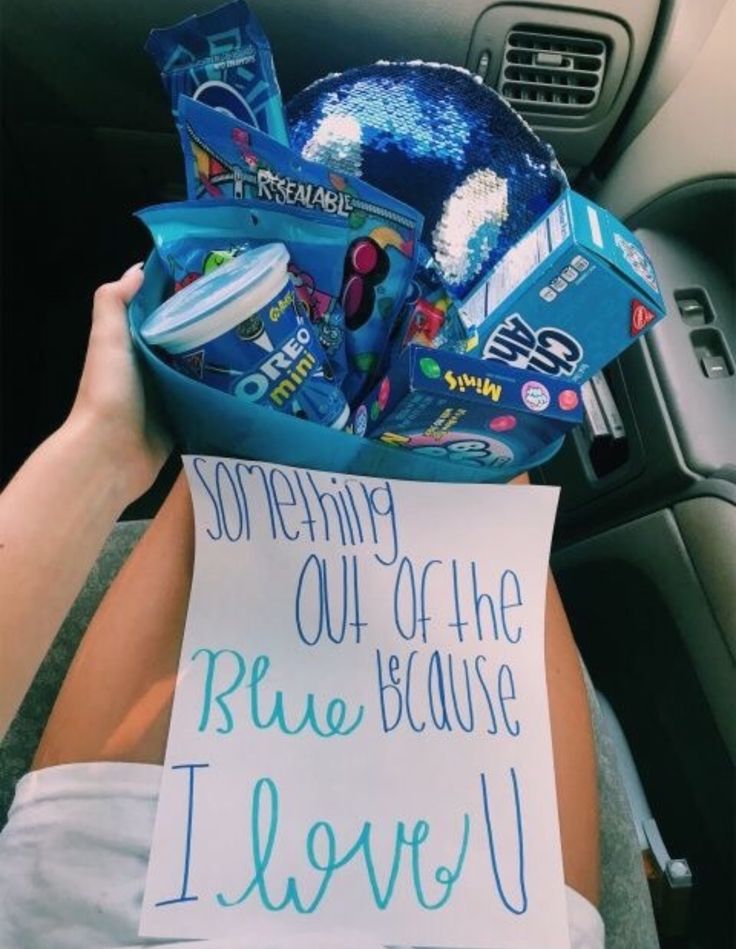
(625, 904)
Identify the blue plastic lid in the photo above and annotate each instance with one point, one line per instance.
(215, 303)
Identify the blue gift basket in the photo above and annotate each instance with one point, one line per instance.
(423, 133)
(207, 421)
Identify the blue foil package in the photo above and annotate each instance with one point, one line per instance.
(230, 159)
(459, 409)
(192, 238)
(223, 59)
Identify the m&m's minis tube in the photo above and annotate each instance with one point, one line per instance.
(223, 59)
(193, 238)
(227, 158)
(461, 409)
(239, 329)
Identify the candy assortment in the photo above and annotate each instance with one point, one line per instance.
(193, 238)
(461, 409)
(395, 250)
(226, 158)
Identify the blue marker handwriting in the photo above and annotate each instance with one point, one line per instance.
(303, 890)
(441, 692)
(251, 501)
(475, 611)
(328, 601)
(228, 680)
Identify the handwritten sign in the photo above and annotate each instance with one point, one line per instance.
(360, 741)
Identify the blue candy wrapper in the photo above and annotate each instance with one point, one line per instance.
(223, 59)
(430, 317)
(192, 238)
(209, 421)
(230, 159)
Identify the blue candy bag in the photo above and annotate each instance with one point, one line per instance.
(227, 158)
(208, 421)
(192, 238)
(223, 59)
(430, 316)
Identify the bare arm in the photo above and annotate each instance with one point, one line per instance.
(57, 511)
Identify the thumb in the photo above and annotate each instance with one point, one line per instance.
(110, 301)
(129, 284)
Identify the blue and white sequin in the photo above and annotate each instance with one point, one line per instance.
(438, 139)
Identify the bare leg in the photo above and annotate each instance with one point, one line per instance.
(573, 746)
(115, 704)
(576, 773)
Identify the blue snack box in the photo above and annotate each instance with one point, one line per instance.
(458, 408)
(570, 296)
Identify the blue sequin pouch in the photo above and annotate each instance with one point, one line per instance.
(230, 159)
(223, 59)
(437, 138)
(192, 238)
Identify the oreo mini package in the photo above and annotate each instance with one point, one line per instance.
(193, 238)
(458, 408)
(570, 296)
(230, 159)
(223, 59)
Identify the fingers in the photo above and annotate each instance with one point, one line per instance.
(110, 302)
(131, 281)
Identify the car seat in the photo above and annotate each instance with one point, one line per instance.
(625, 902)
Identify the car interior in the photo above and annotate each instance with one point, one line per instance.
(637, 101)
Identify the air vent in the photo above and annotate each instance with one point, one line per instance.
(552, 73)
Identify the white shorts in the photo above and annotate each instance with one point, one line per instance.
(73, 860)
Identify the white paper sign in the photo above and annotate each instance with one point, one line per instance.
(360, 740)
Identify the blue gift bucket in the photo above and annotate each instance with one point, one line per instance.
(209, 421)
